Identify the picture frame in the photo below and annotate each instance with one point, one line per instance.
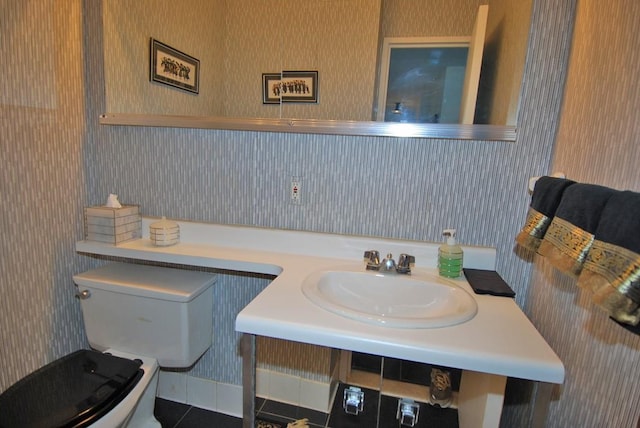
(290, 87)
(171, 67)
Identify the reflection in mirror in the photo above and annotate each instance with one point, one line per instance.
(505, 44)
(424, 82)
(236, 42)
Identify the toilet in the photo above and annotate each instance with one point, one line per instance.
(137, 318)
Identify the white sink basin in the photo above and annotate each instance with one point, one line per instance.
(418, 300)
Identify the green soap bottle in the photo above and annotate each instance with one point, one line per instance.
(450, 256)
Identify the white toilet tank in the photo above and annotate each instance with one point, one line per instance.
(157, 312)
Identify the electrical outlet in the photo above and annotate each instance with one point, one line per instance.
(296, 190)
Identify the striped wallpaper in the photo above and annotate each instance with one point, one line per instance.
(56, 159)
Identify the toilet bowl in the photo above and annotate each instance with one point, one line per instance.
(84, 388)
(141, 398)
(137, 318)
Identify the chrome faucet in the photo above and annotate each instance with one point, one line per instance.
(388, 264)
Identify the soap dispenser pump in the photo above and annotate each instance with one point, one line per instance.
(450, 256)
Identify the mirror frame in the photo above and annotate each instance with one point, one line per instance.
(313, 126)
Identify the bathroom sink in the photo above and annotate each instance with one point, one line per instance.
(418, 300)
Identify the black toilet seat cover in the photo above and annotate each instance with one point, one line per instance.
(72, 391)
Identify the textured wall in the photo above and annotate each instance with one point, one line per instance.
(236, 41)
(42, 138)
(128, 28)
(408, 18)
(56, 159)
(597, 143)
(336, 38)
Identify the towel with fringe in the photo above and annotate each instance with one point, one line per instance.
(545, 199)
(570, 234)
(612, 266)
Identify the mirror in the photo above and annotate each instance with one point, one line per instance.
(236, 42)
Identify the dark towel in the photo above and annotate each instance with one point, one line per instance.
(570, 234)
(488, 282)
(545, 199)
(612, 266)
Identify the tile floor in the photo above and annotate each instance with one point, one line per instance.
(176, 415)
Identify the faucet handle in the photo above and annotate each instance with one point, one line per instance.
(404, 263)
(373, 259)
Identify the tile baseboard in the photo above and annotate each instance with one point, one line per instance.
(202, 393)
(227, 398)
(295, 390)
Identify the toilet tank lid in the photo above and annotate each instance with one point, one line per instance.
(178, 285)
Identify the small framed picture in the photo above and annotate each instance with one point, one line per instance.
(270, 88)
(290, 87)
(171, 67)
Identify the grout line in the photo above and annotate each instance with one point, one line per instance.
(182, 417)
(258, 410)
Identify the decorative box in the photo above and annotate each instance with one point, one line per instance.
(164, 232)
(112, 225)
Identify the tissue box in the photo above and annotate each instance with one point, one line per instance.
(112, 225)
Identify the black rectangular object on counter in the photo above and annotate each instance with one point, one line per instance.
(488, 282)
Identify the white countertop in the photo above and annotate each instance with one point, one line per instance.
(498, 340)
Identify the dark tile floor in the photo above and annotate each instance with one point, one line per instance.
(279, 412)
(176, 415)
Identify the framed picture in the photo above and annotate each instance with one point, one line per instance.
(174, 68)
(290, 87)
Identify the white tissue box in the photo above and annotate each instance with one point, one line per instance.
(112, 225)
